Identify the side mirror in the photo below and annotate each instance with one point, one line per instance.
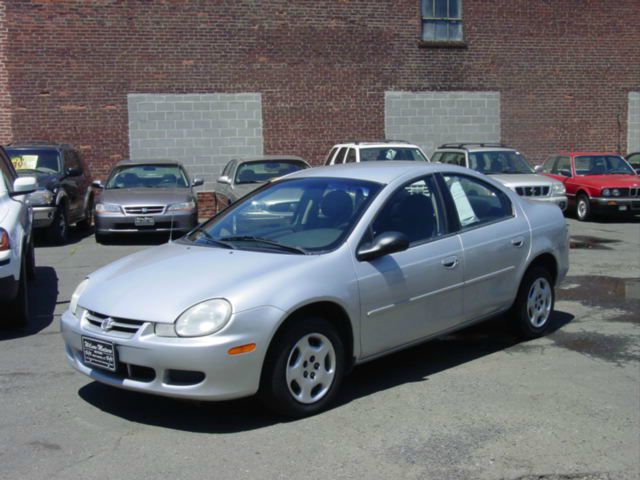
(565, 173)
(383, 244)
(224, 180)
(74, 172)
(24, 186)
(197, 182)
(537, 168)
(97, 184)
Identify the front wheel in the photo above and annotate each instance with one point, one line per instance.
(303, 369)
(86, 223)
(583, 207)
(58, 231)
(534, 304)
(18, 311)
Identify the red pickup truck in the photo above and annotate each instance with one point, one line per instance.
(596, 182)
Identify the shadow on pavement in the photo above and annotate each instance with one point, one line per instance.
(43, 297)
(76, 235)
(412, 365)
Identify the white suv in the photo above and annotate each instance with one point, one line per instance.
(507, 166)
(17, 263)
(353, 152)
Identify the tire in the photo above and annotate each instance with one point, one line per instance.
(86, 223)
(295, 381)
(31, 261)
(583, 208)
(102, 238)
(534, 304)
(18, 311)
(58, 231)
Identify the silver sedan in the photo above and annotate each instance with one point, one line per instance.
(368, 259)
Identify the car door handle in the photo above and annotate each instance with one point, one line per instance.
(517, 242)
(450, 262)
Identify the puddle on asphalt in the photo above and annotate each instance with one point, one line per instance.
(611, 348)
(602, 291)
(589, 242)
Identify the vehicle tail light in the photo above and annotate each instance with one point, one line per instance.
(4, 240)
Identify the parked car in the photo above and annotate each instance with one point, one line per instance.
(596, 182)
(634, 161)
(506, 165)
(146, 196)
(64, 196)
(17, 260)
(377, 257)
(242, 176)
(385, 150)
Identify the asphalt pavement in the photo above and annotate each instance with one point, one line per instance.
(478, 404)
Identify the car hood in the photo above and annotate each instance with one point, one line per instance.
(243, 189)
(611, 181)
(145, 196)
(43, 180)
(160, 283)
(523, 179)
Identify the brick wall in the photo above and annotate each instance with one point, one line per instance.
(5, 94)
(633, 137)
(202, 131)
(430, 119)
(563, 68)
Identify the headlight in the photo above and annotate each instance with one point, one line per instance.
(204, 318)
(615, 192)
(606, 192)
(73, 304)
(190, 205)
(558, 189)
(107, 208)
(41, 197)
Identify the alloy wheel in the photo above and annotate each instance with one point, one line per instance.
(539, 302)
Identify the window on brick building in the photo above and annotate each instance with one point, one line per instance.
(442, 20)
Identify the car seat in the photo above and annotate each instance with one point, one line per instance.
(416, 218)
(247, 175)
(130, 180)
(337, 208)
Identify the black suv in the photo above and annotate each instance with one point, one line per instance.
(64, 194)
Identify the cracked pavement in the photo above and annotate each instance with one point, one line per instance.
(477, 404)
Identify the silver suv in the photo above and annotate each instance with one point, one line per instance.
(354, 152)
(505, 165)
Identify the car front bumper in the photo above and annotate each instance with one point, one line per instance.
(615, 205)
(225, 376)
(120, 223)
(560, 200)
(43, 216)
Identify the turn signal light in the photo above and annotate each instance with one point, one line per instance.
(4, 240)
(249, 347)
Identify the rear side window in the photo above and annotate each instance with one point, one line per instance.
(477, 202)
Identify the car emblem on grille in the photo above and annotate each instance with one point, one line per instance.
(144, 210)
(107, 324)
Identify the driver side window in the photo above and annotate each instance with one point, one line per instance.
(413, 210)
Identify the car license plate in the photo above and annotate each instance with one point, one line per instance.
(99, 353)
(144, 222)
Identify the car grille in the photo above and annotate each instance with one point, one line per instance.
(634, 192)
(149, 210)
(533, 191)
(97, 320)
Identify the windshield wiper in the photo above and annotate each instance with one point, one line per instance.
(210, 238)
(266, 241)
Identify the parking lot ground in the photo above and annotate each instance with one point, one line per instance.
(477, 404)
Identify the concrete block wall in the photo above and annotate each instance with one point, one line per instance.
(429, 119)
(633, 134)
(203, 131)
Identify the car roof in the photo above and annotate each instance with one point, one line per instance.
(389, 144)
(265, 158)
(38, 144)
(580, 154)
(148, 161)
(379, 172)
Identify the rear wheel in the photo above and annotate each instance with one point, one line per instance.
(31, 260)
(583, 208)
(534, 304)
(303, 369)
(58, 231)
(18, 311)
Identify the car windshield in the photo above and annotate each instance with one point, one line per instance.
(30, 160)
(602, 165)
(147, 176)
(290, 216)
(261, 172)
(499, 162)
(391, 153)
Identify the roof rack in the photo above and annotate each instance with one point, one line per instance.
(475, 144)
(386, 140)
